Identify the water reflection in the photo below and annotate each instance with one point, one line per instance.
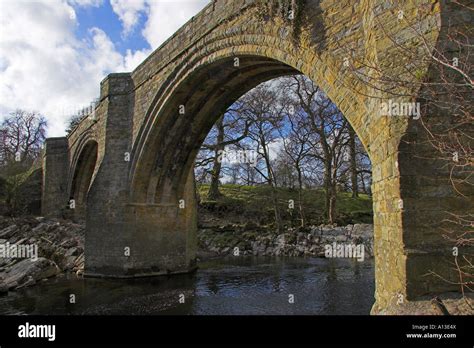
(230, 286)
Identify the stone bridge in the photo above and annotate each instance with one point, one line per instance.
(128, 167)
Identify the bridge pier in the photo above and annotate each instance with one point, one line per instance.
(55, 177)
(143, 239)
(128, 239)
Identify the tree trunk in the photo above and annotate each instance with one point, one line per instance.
(272, 184)
(332, 203)
(352, 148)
(300, 197)
(214, 192)
(328, 190)
(362, 180)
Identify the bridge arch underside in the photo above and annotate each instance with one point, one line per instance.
(167, 158)
(82, 177)
(162, 175)
(162, 211)
(142, 209)
(161, 235)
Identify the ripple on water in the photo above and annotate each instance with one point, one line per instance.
(244, 285)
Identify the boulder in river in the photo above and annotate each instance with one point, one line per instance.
(8, 231)
(28, 272)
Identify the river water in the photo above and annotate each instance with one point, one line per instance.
(244, 285)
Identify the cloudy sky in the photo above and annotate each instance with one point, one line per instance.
(54, 53)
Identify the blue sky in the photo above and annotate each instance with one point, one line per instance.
(106, 19)
(54, 53)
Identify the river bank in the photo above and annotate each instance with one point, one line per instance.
(351, 241)
(58, 256)
(57, 246)
(38, 249)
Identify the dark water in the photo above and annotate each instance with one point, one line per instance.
(231, 286)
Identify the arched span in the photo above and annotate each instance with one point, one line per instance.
(82, 177)
(203, 96)
(205, 81)
(132, 203)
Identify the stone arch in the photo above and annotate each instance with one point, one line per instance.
(84, 165)
(263, 57)
(134, 204)
(205, 101)
(161, 172)
(167, 143)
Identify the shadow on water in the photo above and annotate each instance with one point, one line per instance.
(240, 286)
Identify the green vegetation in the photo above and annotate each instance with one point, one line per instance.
(253, 203)
(22, 136)
(21, 193)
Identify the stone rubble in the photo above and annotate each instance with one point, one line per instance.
(311, 241)
(60, 246)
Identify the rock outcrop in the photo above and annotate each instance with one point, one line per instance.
(59, 246)
(311, 241)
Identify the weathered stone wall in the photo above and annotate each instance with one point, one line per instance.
(106, 234)
(137, 204)
(55, 170)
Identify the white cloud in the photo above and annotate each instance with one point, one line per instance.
(45, 67)
(129, 12)
(86, 3)
(165, 17)
(38, 52)
(274, 148)
(133, 59)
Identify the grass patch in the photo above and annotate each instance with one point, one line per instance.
(254, 203)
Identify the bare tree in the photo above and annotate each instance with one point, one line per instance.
(353, 163)
(230, 129)
(296, 142)
(22, 136)
(329, 135)
(265, 112)
(301, 139)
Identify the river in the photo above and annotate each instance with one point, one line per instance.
(244, 285)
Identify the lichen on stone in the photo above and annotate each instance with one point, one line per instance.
(290, 11)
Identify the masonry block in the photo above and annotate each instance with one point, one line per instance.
(55, 174)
